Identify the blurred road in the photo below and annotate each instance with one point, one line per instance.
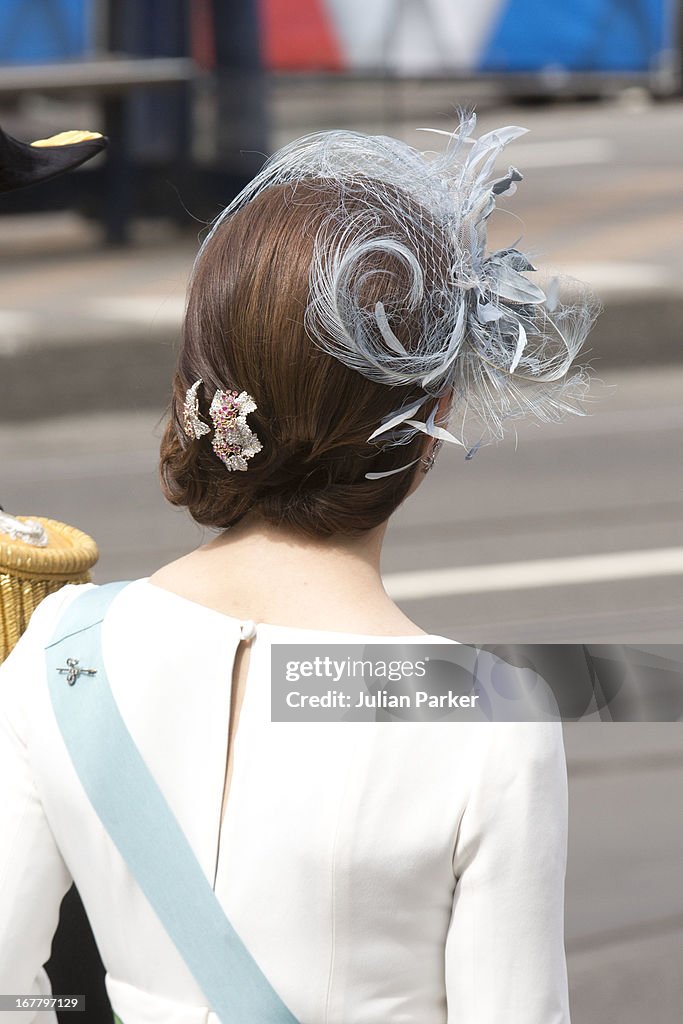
(624, 898)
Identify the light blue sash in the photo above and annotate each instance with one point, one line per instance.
(142, 825)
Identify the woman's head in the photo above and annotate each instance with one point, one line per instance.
(347, 291)
(245, 330)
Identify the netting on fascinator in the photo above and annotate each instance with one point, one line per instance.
(488, 337)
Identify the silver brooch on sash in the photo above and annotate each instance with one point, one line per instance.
(73, 670)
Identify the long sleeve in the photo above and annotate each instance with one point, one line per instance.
(33, 876)
(505, 956)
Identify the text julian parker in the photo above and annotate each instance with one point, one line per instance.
(381, 699)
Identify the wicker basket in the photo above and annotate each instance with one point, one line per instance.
(29, 571)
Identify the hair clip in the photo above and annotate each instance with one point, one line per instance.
(233, 441)
(194, 426)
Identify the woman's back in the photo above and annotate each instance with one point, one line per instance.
(338, 855)
(269, 576)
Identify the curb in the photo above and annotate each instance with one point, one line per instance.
(131, 369)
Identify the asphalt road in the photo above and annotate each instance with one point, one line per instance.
(624, 899)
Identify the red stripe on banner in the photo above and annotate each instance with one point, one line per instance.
(201, 34)
(298, 35)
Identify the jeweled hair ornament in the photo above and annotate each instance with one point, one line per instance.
(233, 441)
(499, 345)
(193, 424)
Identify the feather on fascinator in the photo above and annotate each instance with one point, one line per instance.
(489, 337)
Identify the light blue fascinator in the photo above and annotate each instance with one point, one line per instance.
(496, 343)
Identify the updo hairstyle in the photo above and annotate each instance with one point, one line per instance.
(244, 330)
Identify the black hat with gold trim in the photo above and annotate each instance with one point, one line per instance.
(27, 163)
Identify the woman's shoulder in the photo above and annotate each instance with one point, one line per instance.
(47, 614)
(515, 748)
(23, 671)
(46, 621)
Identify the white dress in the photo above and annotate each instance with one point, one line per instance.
(410, 873)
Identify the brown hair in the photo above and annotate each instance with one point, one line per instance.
(244, 331)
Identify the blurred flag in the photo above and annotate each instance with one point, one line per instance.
(467, 36)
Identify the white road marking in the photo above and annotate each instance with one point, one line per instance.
(151, 309)
(562, 153)
(608, 278)
(600, 422)
(615, 276)
(542, 572)
(18, 321)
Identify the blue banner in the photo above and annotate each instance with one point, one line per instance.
(36, 31)
(579, 36)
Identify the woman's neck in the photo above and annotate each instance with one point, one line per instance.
(270, 574)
